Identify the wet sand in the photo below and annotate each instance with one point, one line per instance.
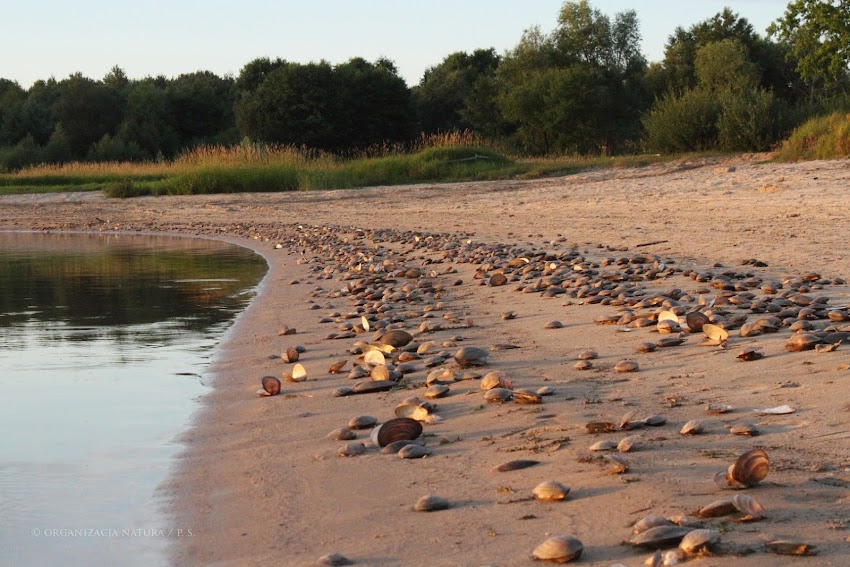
(260, 483)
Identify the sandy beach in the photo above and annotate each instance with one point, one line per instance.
(261, 483)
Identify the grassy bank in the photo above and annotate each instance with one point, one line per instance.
(251, 168)
(825, 137)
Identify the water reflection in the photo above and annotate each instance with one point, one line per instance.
(102, 341)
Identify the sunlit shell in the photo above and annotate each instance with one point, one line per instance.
(558, 549)
(668, 316)
(646, 347)
(372, 386)
(627, 420)
(416, 412)
(471, 356)
(751, 467)
(605, 445)
(588, 354)
(802, 341)
(299, 374)
(649, 522)
(659, 537)
(698, 541)
(396, 338)
(337, 366)
(583, 365)
(498, 395)
(380, 372)
(785, 547)
(397, 429)
(524, 396)
(375, 358)
(627, 365)
(628, 444)
(654, 420)
(669, 342)
(696, 320)
(431, 503)
(365, 324)
(495, 379)
(749, 354)
(715, 334)
(715, 409)
(436, 391)
(619, 465)
(498, 280)
(693, 427)
(342, 434)
(362, 422)
(440, 376)
(717, 508)
(551, 490)
(600, 427)
(749, 506)
(352, 449)
(271, 386)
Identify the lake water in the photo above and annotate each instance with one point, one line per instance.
(103, 343)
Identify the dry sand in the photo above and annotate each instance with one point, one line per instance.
(259, 482)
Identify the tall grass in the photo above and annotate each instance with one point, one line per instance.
(825, 137)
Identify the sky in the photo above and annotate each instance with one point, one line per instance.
(55, 38)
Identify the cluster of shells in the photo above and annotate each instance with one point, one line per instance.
(398, 311)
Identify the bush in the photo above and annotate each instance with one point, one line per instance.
(25, 153)
(683, 123)
(750, 120)
(824, 137)
(110, 148)
(211, 179)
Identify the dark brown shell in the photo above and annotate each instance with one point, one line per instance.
(660, 537)
(396, 338)
(695, 320)
(271, 385)
(516, 465)
(751, 467)
(397, 429)
(371, 386)
(498, 279)
(292, 355)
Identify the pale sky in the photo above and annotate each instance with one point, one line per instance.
(44, 38)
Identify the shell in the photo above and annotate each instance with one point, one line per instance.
(600, 427)
(605, 445)
(396, 338)
(352, 449)
(545, 391)
(668, 316)
(299, 374)
(364, 322)
(498, 395)
(649, 522)
(654, 420)
(291, 355)
(749, 506)
(380, 372)
(372, 386)
(715, 334)
(628, 444)
(697, 541)
(397, 429)
(437, 391)
(751, 467)
(271, 386)
(785, 547)
(717, 408)
(627, 365)
(749, 354)
(495, 379)
(583, 365)
(375, 358)
(553, 325)
(337, 366)
(440, 376)
(669, 342)
(696, 320)
(431, 503)
(551, 490)
(558, 549)
(498, 280)
(747, 429)
(802, 341)
(471, 356)
(362, 422)
(659, 537)
(693, 427)
(342, 434)
(523, 396)
(717, 508)
(516, 465)
(619, 465)
(588, 354)
(413, 451)
(396, 446)
(412, 411)
(646, 347)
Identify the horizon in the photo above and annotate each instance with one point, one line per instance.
(414, 36)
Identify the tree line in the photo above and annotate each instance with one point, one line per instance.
(584, 88)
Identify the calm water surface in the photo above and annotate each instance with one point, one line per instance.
(103, 340)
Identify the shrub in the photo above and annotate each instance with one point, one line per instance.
(823, 137)
(683, 123)
(750, 120)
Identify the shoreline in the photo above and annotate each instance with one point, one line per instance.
(263, 484)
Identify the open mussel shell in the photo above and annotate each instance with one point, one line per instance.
(659, 537)
(717, 508)
(271, 386)
(649, 522)
(751, 509)
(375, 358)
(699, 541)
(715, 334)
(693, 427)
(397, 429)
(558, 549)
(298, 374)
(412, 411)
(291, 355)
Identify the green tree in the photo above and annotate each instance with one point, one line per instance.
(87, 110)
(818, 33)
(201, 106)
(37, 114)
(12, 98)
(725, 65)
(254, 72)
(147, 120)
(449, 91)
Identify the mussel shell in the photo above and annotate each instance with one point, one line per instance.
(696, 320)
(396, 338)
(371, 386)
(271, 385)
(649, 522)
(659, 537)
(413, 411)
(362, 422)
(397, 429)
(698, 540)
(751, 467)
(471, 356)
(559, 549)
(626, 366)
(551, 490)
(749, 506)
(498, 395)
(693, 427)
(431, 503)
(717, 508)
(516, 465)
(413, 451)
(785, 547)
